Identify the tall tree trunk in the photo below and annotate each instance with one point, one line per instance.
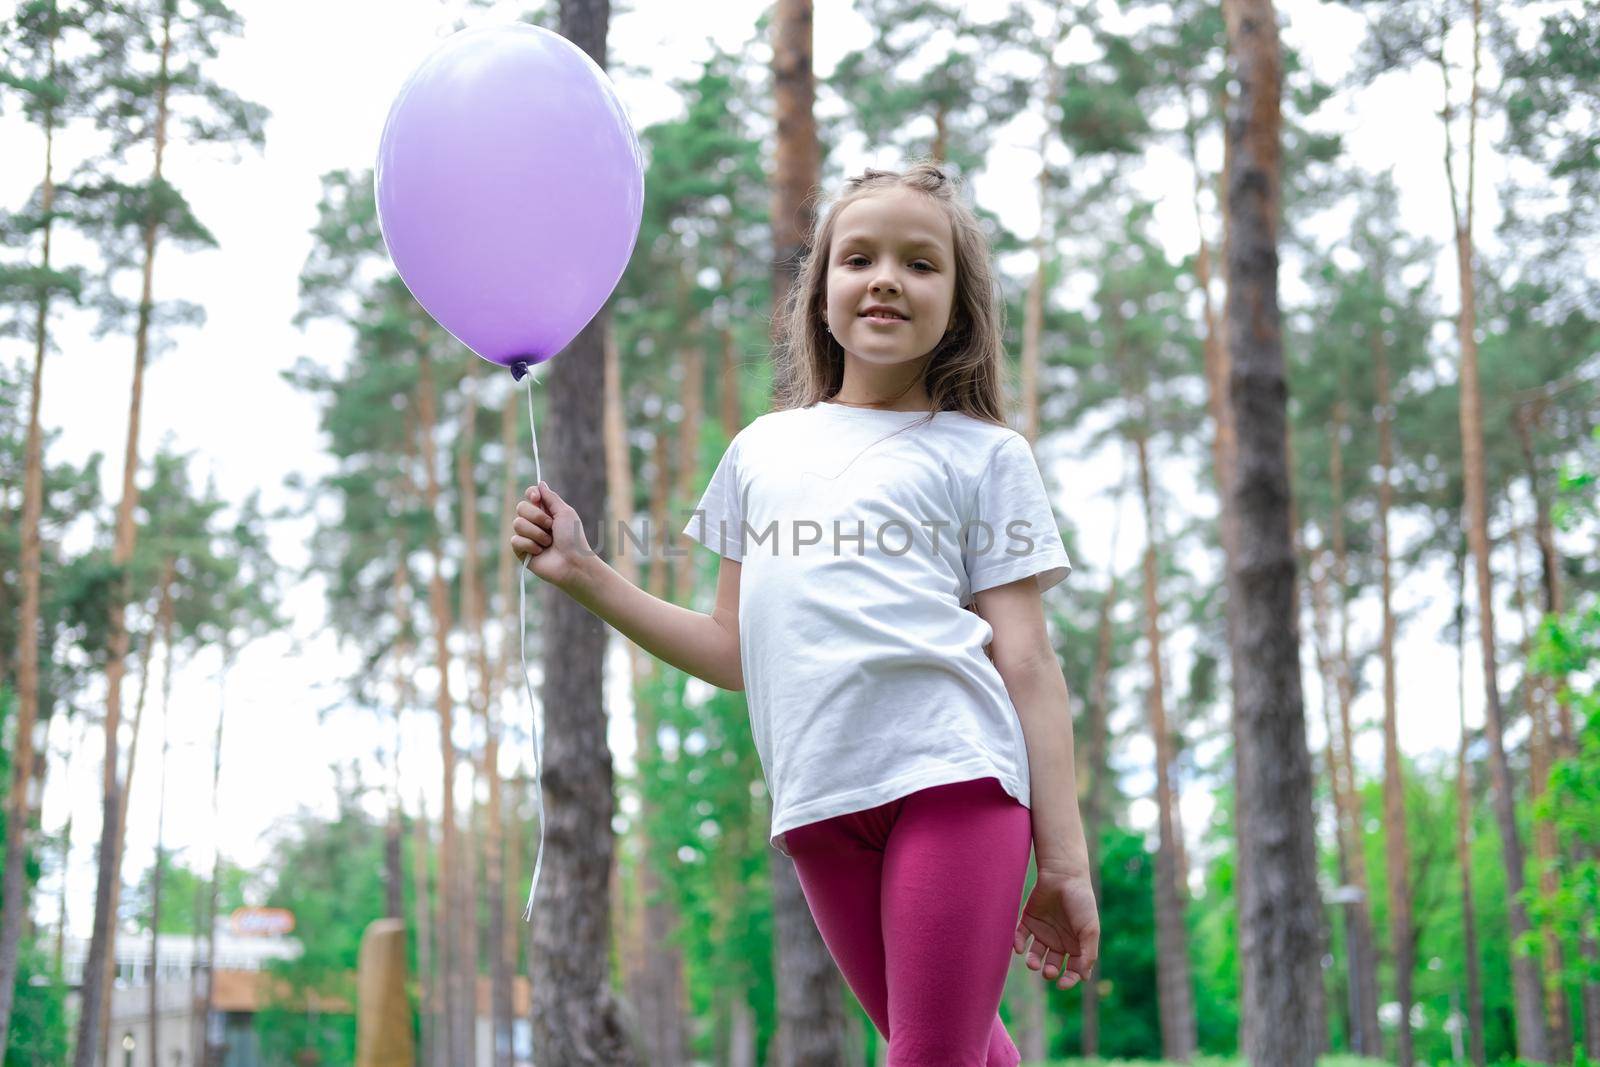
(691, 397)
(1223, 417)
(430, 979)
(156, 872)
(811, 1020)
(1364, 1037)
(211, 1054)
(197, 1020)
(1224, 449)
(654, 979)
(467, 922)
(472, 616)
(1280, 911)
(1173, 990)
(797, 158)
(731, 412)
(502, 924)
(1531, 1038)
(1098, 767)
(61, 899)
(1562, 740)
(1365, 959)
(1033, 314)
(1030, 1031)
(1527, 416)
(1558, 1012)
(1364, 955)
(14, 905)
(449, 962)
(162, 622)
(1469, 921)
(430, 993)
(394, 828)
(89, 1037)
(576, 1017)
(1397, 847)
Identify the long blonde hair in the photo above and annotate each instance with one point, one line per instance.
(964, 371)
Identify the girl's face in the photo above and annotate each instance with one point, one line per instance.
(892, 250)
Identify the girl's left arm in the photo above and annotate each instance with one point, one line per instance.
(1027, 664)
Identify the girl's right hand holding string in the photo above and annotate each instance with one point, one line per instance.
(547, 537)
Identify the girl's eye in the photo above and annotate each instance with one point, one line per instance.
(850, 261)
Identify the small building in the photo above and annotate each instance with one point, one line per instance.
(241, 988)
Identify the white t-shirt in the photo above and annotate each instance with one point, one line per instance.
(865, 675)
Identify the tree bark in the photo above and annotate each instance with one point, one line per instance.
(1562, 739)
(14, 904)
(161, 623)
(428, 986)
(731, 413)
(577, 1018)
(691, 397)
(1033, 314)
(1364, 1037)
(89, 1036)
(1364, 959)
(797, 158)
(472, 615)
(811, 1020)
(1531, 1037)
(1099, 770)
(210, 1055)
(161, 816)
(1469, 921)
(1174, 992)
(1397, 847)
(394, 829)
(1536, 689)
(1280, 912)
(502, 923)
(449, 962)
(654, 979)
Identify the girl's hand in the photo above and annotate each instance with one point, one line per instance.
(547, 537)
(1064, 923)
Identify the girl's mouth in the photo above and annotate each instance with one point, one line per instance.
(884, 320)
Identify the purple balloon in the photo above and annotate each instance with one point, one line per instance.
(510, 186)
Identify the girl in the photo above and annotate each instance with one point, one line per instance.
(913, 750)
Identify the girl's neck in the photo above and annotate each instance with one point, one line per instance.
(883, 391)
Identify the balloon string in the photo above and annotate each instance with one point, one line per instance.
(522, 646)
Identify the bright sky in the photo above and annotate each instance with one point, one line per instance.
(328, 73)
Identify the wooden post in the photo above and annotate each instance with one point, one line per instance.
(383, 1011)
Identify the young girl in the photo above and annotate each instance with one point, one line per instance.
(901, 737)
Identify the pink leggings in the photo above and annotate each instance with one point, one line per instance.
(917, 901)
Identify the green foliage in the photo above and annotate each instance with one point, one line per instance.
(1567, 649)
(183, 896)
(38, 1016)
(330, 875)
(1552, 99)
(708, 837)
(926, 83)
(1126, 973)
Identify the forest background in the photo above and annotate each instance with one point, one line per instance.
(308, 446)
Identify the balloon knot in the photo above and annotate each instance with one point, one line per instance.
(519, 370)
